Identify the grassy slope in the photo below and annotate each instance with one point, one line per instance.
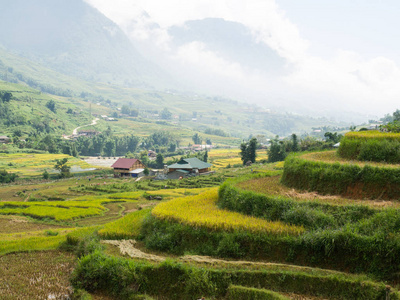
(237, 119)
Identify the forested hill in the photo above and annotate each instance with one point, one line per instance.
(74, 38)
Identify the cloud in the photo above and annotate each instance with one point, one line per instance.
(344, 80)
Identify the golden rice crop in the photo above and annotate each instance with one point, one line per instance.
(27, 164)
(126, 227)
(202, 211)
(373, 134)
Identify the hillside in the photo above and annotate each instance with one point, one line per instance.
(74, 38)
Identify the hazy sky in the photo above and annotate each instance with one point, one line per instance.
(342, 51)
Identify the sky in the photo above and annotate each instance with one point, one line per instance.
(339, 53)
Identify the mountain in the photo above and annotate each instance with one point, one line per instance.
(74, 38)
(230, 40)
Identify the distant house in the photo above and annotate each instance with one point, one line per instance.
(88, 132)
(128, 167)
(152, 155)
(188, 166)
(4, 139)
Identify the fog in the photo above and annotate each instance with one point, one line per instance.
(338, 59)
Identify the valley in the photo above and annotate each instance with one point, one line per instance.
(196, 158)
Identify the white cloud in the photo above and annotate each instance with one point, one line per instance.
(345, 80)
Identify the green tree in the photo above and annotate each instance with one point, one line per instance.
(196, 138)
(6, 177)
(109, 148)
(166, 114)
(51, 105)
(205, 159)
(295, 143)
(61, 165)
(146, 172)
(45, 174)
(276, 151)
(160, 161)
(248, 151)
(396, 115)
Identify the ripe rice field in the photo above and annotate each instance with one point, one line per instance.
(201, 211)
(32, 164)
(221, 158)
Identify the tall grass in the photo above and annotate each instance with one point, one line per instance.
(371, 146)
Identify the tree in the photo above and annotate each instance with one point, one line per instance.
(276, 151)
(109, 148)
(295, 143)
(146, 172)
(6, 96)
(160, 161)
(166, 114)
(51, 105)
(205, 159)
(61, 165)
(196, 138)
(248, 151)
(6, 177)
(45, 174)
(396, 115)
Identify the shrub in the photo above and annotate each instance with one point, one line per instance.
(346, 179)
(371, 146)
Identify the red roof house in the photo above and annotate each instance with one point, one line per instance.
(126, 166)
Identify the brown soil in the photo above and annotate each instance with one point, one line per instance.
(14, 224)
(36, 275)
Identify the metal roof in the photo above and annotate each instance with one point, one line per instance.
(190, 163)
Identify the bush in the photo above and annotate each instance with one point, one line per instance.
(347, 179)
(371, 146)
(127, 278)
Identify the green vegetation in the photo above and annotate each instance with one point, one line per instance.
(371, 146)
(346, 178)
(122, 277)
(248, 151)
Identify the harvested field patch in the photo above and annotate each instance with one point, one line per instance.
(272, 186)
(13, 224)
(36, 275)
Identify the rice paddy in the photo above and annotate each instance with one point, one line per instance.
(202, 211)
(33, 164)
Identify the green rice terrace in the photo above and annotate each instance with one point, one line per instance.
(325, 227)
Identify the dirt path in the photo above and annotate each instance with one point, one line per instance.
(127, 247)
(94, 122)
(75, 131)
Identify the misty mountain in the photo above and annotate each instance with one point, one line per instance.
(74, 38)
(230, 40)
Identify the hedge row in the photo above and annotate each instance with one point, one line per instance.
(127, 278)
(348, 180)
(236, 292)
(311, 215)
(371, 146)
(342, 249)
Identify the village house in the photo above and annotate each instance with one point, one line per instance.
(4, 139)
(188, 167)
(128, 167)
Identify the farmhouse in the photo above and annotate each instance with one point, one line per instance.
(128, 167)
(188, 166)
(4, 139)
